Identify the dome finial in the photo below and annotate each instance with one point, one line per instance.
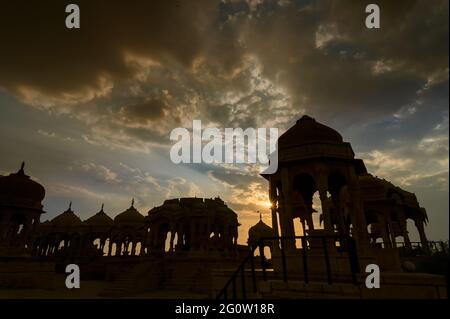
(21, 170)
(260, 216)
(132, 202)
(70, 205)
(102, 207)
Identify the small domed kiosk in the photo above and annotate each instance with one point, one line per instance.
(20, 208)
(257, 232)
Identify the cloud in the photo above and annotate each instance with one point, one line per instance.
(101, 172)
(54, 135)
(145, 112)
(230, 62)
(129, 77)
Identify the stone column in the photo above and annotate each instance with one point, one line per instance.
(224, 238)
(405, 234)
(337, 198)
(133, 248)
(274, 200)
(286, 220)
(6, 216)
(110, 244)
(385, 232)
(119, 248)
(26, 231)
(357, 212)
(322, 186)
(388, 230)
(423, 237)
(144, 242)
(172, 237)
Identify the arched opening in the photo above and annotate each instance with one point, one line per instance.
(317, 207)
(303, 189)
(61, 245)
(96, 243)
(412, 230)
(20, 229)
(338, 201)
(137, 249)
(175, 240)
(113, 249)
(129, 249)
(167, 242)
(106, 247)
(374, 227)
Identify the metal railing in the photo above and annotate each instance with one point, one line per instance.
(416, 248)
(342, 244)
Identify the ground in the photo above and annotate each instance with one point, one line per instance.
(89, 289)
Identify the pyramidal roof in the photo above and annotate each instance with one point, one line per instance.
(67, 218)
(99, 219)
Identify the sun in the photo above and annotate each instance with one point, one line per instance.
(266, 204)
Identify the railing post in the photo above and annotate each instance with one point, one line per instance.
(305, 260)
(327, 260)
(353, 259)
(263, 260)
(233, 286)
(252, 265)
(283, 260)
(244, 291)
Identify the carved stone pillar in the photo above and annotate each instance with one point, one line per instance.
(422, 235)
(287, 222)
(274, 200)
(322, 186)
(357, 213)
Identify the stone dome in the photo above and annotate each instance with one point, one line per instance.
(258, 231)
(18, 189)
(310, 140)
(130, 216)
(305, 131)
(66, 219)
(100, 219)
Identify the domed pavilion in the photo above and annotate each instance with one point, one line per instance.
(20, 208)
(258, 231)
(313, 157)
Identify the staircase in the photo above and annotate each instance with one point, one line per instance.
(142, 277)
(180, 281)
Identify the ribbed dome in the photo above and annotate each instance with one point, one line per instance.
(100, 219)
(258, 231)
(306, 130)
(130, 216)
(19, 190)
(67, 218)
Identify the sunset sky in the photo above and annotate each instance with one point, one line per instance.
(90, 111)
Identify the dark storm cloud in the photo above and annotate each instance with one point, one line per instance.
(137, 69)
(39, 53)
(150, 110)
(319, 51)
(337, 68)
(414, 32)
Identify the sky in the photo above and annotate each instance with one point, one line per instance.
(90, 110)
